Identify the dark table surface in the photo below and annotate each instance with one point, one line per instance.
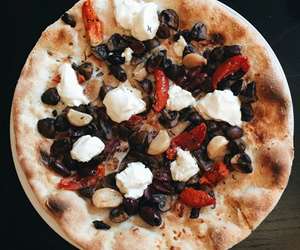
(20, 225)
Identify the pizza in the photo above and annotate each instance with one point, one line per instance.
(154, 125)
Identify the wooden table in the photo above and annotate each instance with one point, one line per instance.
(22, 228)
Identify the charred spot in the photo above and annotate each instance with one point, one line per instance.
(55, 206)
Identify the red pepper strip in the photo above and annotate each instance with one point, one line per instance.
(229, 67)
(56, 79)
(161, 90)
(190, 140)
(218, 173)
(196, 198)
(75, 183)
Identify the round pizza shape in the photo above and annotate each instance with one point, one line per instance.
(153, 125)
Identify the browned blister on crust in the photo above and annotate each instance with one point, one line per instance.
(243, 201)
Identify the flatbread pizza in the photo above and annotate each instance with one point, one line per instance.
(154, 125)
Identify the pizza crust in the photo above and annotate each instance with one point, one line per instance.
(243, 200)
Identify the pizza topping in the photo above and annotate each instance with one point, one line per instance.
(184, 167)
(163, 31)
(234, 132)
(100, 51)
(195, 212)
(196, 198)
(199, 32)
(179, 46)
(218, 173)
(242, 163)
(217, 148)
(220, 106)
(131, 206)
(127, 54)
(107, 197)
(46, 127)
(100, 225)
(169, 119)
(69, 19)
(87, 192)
(248, 95)
(123, 102)
(150, 215)
(134, 180)
(192, 60)
(118, 72)
(161, 90)
(70, 91)
(179, 98)
(151, 44)
(170, 18)
(190, 140)
(86, 147)
(118, 215)
(247, 112)
(160, 143)
(229, 67)
(137, 16)
(86, 69)
(93, 25)
(50, 96)
(78, 119)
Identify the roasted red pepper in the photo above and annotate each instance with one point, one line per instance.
(218, 173)
(75, 182)
(161, 90)
(229, 67)
(190, 140)
(196, 198)
(56, 79)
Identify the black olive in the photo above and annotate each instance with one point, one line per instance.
(137, 46)
(146, 85)
(61, 123)
(199, 32)
(100, 225)
(149, 104)
(104, 90)
(170, 18)
(68, 19)
(116, 43)
(236, 87)
(185, 113)
(87, 192)
(195, 118)
(179, 186)
(118, 72)
(217, 38)
(118, 215)
(60, 147)
(50, 96)
(175, 71)
(166, 63)
(163, 31)
(86, 69)
(247, 112)
(211, 126)
(115, 59)
(151, 44)
(46, 127)
(186, 35)
(217, 55)
(163, 187)
(242, 163)
(100, 51)
(59, 168)
(169, 119)
(54, 113)
(194, 181)
(164, 202)
(122, 131)
(108, 181)
(249, 93)
(224, 84)
(149, 161)
(188, 50)
(131, 206)
(234, 132)
(139, 141)
(232, 50)
(195, 212)
(206, 53)
(155, 61)
(203, 162)
(237, 146)
(150, 215)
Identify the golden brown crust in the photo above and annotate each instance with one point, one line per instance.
(243, 201)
